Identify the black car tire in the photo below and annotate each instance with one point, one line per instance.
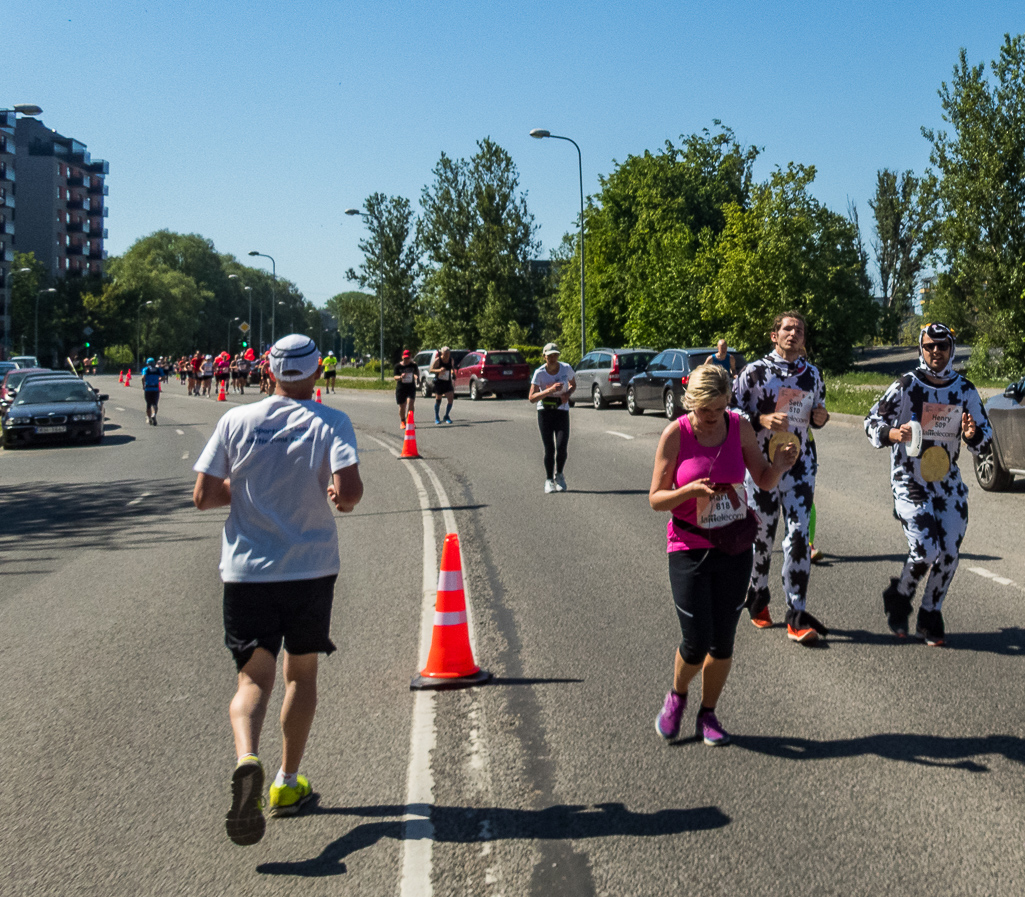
(425, 388)
(669, 404)
(990, 472)
(475, 393)
(631, 402)
(597, 399)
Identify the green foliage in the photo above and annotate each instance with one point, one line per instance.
(980, 194)
(531, 354)
(359, 316)
(477, 239)
(119, 355)
(848, 396)
(389, 268)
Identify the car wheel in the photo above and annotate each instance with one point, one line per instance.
(597, 399)
(990, 473)
(669, 403)
(631, 402)
(425, 389)
(475, 393)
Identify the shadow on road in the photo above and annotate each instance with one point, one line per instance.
(925, 750)
(471, 825)
(1009, 642)
(899, 558)
(608, 491)
(121, 514)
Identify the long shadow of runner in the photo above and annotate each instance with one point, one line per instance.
(924, 750)
(1009, 641)
(465, 825)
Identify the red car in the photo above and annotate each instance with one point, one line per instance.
(492, 372)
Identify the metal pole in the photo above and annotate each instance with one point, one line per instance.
(273, 299)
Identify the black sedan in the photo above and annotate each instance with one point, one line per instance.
(57, 409)
(663, 382)
(996, 468)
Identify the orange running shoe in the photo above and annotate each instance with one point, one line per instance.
(804, 636)
(761, 619)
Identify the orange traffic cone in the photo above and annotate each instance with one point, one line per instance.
(450, 663)
(121, 378)
(222, 396)
(128, 378)
(318, 395)
(409, 443)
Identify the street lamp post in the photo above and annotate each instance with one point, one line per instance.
(35, 349)
(249, 290)
(380, 282)
(541, 133)
(230, 322)
(138, 344)
(274, 275)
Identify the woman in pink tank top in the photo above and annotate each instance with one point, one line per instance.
(699, 477)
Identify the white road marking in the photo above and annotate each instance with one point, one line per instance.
(180, 432)
(989, 574)
(138, 499)
(118, 409)
(185, 457)
(617, 433)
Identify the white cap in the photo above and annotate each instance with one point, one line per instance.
(294, 357)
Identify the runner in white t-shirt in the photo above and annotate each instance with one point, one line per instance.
(277, 463)
(551, 386)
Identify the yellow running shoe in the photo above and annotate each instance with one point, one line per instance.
(286, 800)
(245, 823)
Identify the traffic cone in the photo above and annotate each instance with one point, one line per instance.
(128, 378)
(222, 396)
(409, 443)
(450, 663)
(318, 395)
(121, 378)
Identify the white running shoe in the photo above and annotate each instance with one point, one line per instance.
(550, 486)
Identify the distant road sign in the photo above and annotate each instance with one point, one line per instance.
(244, 327)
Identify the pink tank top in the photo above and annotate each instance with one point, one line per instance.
(722, 464)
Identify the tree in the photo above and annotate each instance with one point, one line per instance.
(477, 239)
(902, 216)
(979, 189)
(357, 316)
(644, 230)
(389, 268)
(787, 251)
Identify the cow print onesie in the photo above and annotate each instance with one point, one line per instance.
(766, 386)
(933, 508)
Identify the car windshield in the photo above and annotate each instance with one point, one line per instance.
(503, 358)
(630, 361)
(55, 391)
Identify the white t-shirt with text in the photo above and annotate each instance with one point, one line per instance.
(542, 380)
(279, 455)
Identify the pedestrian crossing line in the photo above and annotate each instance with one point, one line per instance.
(617, 433)
(999, 580)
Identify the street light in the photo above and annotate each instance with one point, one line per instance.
(230, 322)
(274, 274)
(249, 290)
(541, 133)
(35, 351)
(138, 345)
(380, 282)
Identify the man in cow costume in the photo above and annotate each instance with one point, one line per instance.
(922, 417)
(783, 395)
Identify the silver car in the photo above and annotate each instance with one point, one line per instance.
(603, 374)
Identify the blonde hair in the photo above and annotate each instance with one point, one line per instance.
(707, 383)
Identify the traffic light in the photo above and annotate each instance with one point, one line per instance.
(245, 345)
(87, 345)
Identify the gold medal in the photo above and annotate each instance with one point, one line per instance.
(935, 464)
(778, 439)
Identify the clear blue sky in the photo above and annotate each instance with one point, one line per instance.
(257, 123)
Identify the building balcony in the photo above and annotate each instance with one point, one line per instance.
(77, 227)
(98, 211)
(6, 173)
(98, 255)
(78, 181)
(6, 199)
(98, 188)
(75, 250)
(78, 203)
(100, 166)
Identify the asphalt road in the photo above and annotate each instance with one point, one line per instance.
(859, 767)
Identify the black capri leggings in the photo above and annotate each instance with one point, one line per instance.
(709, 588)
(554, 427)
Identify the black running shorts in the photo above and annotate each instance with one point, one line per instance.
(265, 614)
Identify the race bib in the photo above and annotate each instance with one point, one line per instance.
(797, 405)
(407, 378)
(444, 375)
(713, 512)
(940, 422)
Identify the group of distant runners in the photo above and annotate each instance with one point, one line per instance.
(738, 462)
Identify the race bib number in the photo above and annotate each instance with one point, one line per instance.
(940, 422)
(713, 512)
(407, 378)
(797, 405)
(444, 375)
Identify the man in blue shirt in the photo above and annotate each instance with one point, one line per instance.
(151, 376)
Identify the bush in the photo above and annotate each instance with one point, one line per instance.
(119, 355)
(531, 354)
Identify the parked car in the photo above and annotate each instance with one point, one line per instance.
(423, 362)
(997, 467)
(57, 408)
(662, 384)
(25, 361)
(6, 367)
(498, 372)
(604, 374)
